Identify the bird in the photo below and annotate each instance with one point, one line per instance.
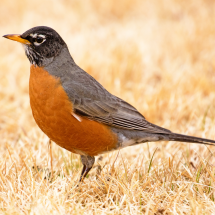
(76, 111)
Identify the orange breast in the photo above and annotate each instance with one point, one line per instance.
(53, 111)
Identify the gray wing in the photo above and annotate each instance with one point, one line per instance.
(92, 100)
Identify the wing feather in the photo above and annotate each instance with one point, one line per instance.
(124, 116)
(90, 99)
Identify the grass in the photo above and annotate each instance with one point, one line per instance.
(157, 55)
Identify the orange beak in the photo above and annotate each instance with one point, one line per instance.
(17, 37)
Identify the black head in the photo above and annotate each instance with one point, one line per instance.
(41, 44)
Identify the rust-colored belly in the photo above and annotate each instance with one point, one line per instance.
(52, 111)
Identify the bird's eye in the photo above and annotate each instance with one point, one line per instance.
(39, 40)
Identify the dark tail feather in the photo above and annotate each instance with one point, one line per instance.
(190, 139)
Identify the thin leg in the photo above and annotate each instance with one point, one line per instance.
(82, 173)
(50, 151)
(87, 162)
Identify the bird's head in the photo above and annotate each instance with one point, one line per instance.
(41, 44)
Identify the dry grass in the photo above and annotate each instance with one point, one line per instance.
(158, 56)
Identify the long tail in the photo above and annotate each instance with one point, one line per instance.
(190, 139)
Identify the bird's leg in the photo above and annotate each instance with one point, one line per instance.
(83, 170)
(50, 151)
(87, 162)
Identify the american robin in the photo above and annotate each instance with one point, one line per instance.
(77, 112)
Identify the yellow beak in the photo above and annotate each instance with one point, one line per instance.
(17, 37)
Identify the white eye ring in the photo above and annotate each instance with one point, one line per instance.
(37, 44)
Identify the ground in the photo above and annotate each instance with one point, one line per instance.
(157, 55)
